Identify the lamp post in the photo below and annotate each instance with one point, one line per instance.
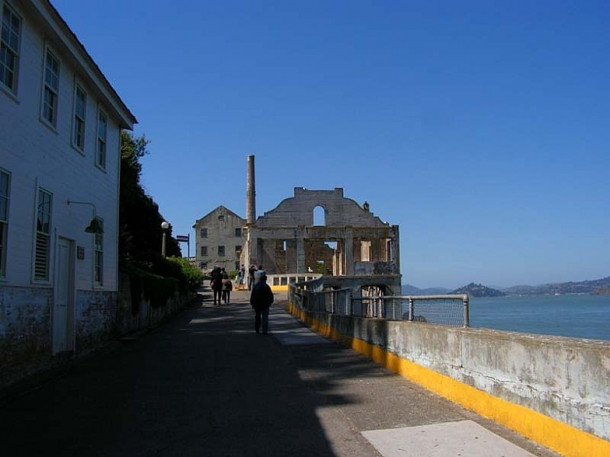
(164, 227)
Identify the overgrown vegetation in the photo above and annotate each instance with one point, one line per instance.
(140, 232)
(152, 277)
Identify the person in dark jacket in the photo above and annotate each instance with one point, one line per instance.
(261, 299)
(251, 271)
(216, 284)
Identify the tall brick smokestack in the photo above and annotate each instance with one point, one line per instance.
(250, 193)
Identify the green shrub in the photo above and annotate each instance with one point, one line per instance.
(189, 274)
(233, 274)
(150, 287)
(158, 280)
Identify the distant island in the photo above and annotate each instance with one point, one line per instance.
(594, 287)
(478, 290)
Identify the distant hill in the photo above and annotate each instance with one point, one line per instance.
(597, 286)
(408, 289)
(478, 290)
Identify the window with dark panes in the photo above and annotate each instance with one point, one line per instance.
(80, 109)
(43, 236)
(51, 88)
(4, 200)
(9, 48)
(99, 255)
(102, 127)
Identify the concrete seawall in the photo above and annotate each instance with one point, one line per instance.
(552, 390)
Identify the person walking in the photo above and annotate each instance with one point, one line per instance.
(261, 299)
(251, 270)
(258, 273)
(242, 275)
(227, 287)
(216, 284)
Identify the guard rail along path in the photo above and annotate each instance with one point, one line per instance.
(553, 390)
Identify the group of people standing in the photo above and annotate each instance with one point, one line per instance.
(261, 295)
(221, 286)
(251, 279)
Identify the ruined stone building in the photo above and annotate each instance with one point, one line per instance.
(219, 240)
(345, 239)
(321, 231)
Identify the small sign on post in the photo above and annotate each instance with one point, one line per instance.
(185, 239)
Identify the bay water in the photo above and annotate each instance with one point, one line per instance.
(575, 316)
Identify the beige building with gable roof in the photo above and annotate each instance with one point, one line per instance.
(219, 240)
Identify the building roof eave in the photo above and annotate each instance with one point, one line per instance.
(83, 61)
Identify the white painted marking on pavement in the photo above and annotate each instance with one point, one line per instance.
(450, 439)
(286, 330)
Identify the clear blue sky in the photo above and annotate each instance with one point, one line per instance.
(481, 128)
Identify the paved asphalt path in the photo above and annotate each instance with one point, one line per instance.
(205, 384)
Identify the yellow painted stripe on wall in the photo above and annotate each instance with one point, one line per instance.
(279, 288)
(556, 435)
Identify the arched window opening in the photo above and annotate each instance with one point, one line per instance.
(319, 216)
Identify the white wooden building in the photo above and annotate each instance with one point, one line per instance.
(60, 124)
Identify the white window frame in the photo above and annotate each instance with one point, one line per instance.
(101, 142)
(98, 256)
(42, 236)
(79, 118)
(5, 194)
(50, 88)
(10, 49)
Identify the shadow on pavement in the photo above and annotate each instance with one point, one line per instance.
(204, 384)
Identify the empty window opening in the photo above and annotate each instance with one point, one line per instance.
(365, 251)
(319, 216)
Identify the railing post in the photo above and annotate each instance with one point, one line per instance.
(411, 309)
(333, 303)
(466, 312)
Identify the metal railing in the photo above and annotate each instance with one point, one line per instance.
(436, 309)
(287, 279)
(335, 301)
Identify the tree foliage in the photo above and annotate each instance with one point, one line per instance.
(190, 276)
(140, 233)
